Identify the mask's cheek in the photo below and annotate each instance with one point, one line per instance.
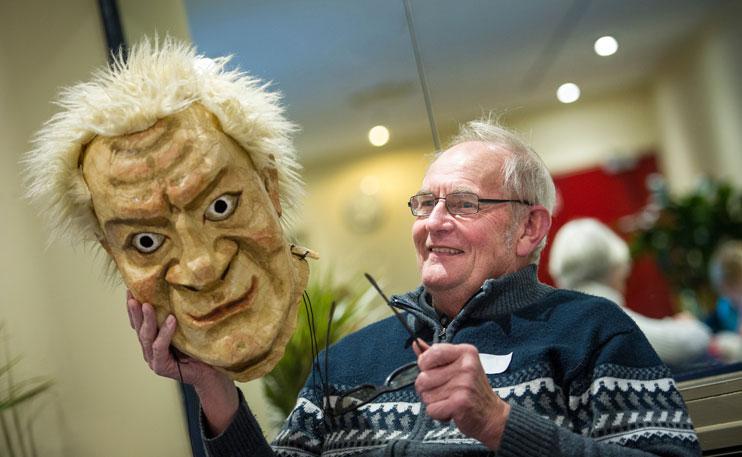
(261, 245)
(148, 286)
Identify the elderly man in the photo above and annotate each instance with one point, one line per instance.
(499, 363)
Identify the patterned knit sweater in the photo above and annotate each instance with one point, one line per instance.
(582, 381)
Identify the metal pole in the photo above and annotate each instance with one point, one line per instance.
(421, 75)
(115, 40)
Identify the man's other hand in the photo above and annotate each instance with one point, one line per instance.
(453, 386)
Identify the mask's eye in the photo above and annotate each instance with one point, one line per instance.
(146, 242)
(222, 207)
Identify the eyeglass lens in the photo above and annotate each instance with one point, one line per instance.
(400, 378)
(456, 203)
(397, 379)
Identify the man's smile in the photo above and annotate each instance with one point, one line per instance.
(444, 250)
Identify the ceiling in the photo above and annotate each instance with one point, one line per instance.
(345, 66)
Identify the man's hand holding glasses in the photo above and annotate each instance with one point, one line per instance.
(453, 386)
(451, 382)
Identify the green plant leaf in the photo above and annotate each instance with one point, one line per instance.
(353, 310)
(685, 234)
(21, 393)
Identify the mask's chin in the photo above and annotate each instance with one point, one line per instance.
(262, 365)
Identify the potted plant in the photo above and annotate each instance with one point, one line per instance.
(353, 309)
(682, 232)
(16, 424)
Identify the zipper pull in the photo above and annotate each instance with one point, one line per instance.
(443, 320)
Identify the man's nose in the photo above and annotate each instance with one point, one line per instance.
(203, 262)
(439, 218)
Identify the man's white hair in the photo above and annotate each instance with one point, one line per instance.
(524, 173)
(585, 250)
(157, 79)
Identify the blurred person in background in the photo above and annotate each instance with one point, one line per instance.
(589, 257)
(725, 274)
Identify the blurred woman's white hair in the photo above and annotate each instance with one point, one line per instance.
(158, 79)
(585, 250)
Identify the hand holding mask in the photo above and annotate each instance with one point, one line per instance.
(181, 171)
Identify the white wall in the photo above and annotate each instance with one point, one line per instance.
(60, 315)
(590, 131)
(698, 104)
(385, 252)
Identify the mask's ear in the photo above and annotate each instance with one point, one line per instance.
(534, 227)
(270, 182)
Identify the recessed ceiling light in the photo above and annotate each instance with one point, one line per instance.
(606, 46)
(568, 93)
(378, 136)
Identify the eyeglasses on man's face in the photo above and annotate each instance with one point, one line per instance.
(456, 203)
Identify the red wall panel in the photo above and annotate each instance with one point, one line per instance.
(608, 194)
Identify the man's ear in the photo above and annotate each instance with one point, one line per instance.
(534, 227)
(270, 182)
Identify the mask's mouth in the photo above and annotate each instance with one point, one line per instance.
(227, 309)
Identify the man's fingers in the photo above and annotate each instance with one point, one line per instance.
(439, 410)
(134, 308)
(148, 330)
(128, 313)
(435, 377)
(419, 346)
(443, 354)
(435, 394)
(161, 357)
(131, 308)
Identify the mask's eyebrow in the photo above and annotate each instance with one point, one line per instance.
(198, 199)
(159, 222)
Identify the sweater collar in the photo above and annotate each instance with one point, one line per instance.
(497, 297)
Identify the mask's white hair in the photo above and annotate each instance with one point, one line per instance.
(524, 173)
(157, 79)
(585, 250)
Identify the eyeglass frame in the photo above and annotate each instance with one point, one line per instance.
(337, 409)
(490, 201)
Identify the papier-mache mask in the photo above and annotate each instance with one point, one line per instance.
(183, 172)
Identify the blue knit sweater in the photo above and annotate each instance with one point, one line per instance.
(582, 381)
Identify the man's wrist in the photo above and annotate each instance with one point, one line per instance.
(497, 427)
(219, 402)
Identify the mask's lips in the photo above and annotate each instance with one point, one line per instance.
(229, 308)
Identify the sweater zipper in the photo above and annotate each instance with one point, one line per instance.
(444, 325)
